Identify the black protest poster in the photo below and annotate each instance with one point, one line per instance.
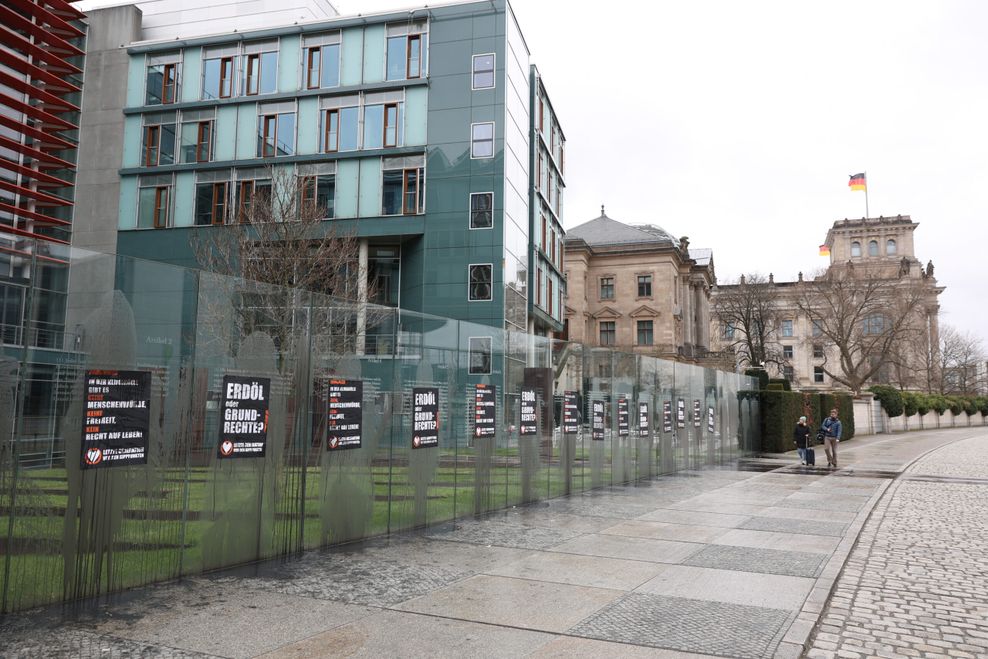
(244, 417)
(710, 418)
(115, 430)
(597, 420)
(571, 413)
(345, 418)
(666, 416)
(529, 414)
(697, 413)
(680, 413)
(624, 421)
(484, 410)
(643, 420)
(425, 417)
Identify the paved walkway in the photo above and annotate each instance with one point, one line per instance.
(719, 562)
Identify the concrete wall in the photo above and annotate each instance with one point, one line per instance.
(871, 419)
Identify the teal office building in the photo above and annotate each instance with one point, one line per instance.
(427, 133)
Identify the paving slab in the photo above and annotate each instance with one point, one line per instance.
(782, 540)
(568, 647)
(673, 516)
(664, 531)
(579, 570)
(522, 603)
(729, 586)
(396, 633)
(767, 561)
(636, 549)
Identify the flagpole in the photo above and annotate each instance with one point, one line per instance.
(866, 195)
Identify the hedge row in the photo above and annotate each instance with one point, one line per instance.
(780, 411)
(896, 403)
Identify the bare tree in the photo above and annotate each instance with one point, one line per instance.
(865, 318)
(287, 260)
(749, 316)
(957, 366)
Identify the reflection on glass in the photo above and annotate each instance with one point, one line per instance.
(396, 58)
(349, 129)
(373, 126)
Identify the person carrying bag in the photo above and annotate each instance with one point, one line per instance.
(831, 431)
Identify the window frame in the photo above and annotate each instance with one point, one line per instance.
(208, 123)
(471, 211)
(788, 352)
(249, 79)
(229, 81)
(419, 173)
(856, 249)
(876, 251)
(417, 37)
(891, 247)
(650, 332)
(611, 332)
(160, 191)
(220, 201)
(397, 120)
(470, 268)
(173, 68)
(787, 328)
(474, 142)
(818, 375)
(148, 148)
(474, 71)
(310, 51)
(600, 287)
(818, 352)
(638, 279)
(328, 117)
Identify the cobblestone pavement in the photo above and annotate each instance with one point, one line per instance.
(916, 584)
(743, 561)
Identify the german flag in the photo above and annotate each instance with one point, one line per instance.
(824, 250)
(857, 182)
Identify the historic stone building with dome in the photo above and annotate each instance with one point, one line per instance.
(637, 288)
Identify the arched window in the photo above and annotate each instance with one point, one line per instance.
(873, 324)
(873, 248)
(855, 248)
(890, 247)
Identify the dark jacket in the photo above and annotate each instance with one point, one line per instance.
(832, 427)
(800, 435)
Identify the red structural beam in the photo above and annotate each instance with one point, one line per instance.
(33, 111)
(54, 22)
(24, 66)
(31, 215)
(55, 62)
(33, 173)
(63, 7)
(47, 98)
(48, 140)
(22, 232)
(25, 150)
(34, 194)
(12, 19)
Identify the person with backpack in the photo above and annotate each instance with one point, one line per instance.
(801, 435)
(831, 430)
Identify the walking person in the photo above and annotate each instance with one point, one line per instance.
(801, 435)
(831, 437)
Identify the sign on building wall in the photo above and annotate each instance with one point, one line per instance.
(571, 413)
(597, 420)
(643, 428)
(529, 415)
(244, 411)
(666, 416)
(485, 410)
(697, 413)
(115, 430)
(680, 413)
(345, 416)
(710, 418)
(425, 417)
(623, 418)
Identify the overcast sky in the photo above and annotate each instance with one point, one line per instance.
(738, 123)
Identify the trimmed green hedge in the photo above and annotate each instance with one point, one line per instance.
(760, 374)
(780, 410)
(890, 398)
(782, 382)
(845, 412)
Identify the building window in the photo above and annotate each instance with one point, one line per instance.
(481, 210)
(159, 142)
(855, 249)
(341, 126)
(211, 202)
(873, 248)
(481, 349)
(481, 282)
(549, 297)
(890, 247)
(382, 125)
(873, 325)
(645, 337)
(482, 140)
(608, 333)
(789, 373)
(154, 202)
(818, 374)
(276, 131)
(162, 80)
(538, 286)
(785, 327)
(217, 78)
(403, 191)
(728, 330)
(607, 288)
(319, 194)
(787, 352)
(406, 56)
(250, 195)
(817, 328)
(261, 68)
(322, 61)
(817, 351)
(483, 71)
(197, 135)
(204, 141)
(644, 285)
